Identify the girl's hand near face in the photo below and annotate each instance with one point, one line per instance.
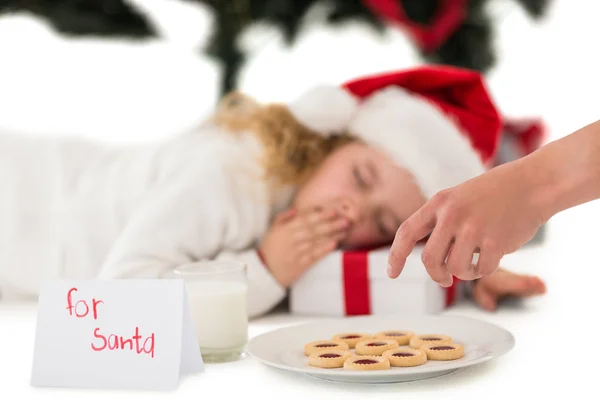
(296, 240)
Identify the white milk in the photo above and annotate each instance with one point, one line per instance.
(219, 313)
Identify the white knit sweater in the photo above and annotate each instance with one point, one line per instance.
(81, 210)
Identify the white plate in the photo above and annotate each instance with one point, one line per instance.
(284, 348)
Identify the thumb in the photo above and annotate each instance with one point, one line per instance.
(285, 216)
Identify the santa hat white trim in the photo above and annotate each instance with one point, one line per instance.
(416, 133)
(325, 109)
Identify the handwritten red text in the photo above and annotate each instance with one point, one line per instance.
(101, 342)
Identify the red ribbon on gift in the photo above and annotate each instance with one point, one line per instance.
(355, 275)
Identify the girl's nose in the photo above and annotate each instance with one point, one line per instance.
(350, 210)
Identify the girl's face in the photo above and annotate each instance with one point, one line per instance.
(366, 186)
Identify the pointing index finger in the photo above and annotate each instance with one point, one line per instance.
(415, 228)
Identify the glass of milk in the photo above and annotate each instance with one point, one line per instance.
(217, 293)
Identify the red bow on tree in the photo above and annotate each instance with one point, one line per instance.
(449, 16)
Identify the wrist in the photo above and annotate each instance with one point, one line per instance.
(261, 257)
(273, 270)
(543, 185)
(560, 180)
(568, 170)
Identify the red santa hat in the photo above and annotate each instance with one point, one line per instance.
(438, 122)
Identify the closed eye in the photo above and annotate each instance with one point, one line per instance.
(382, 228)
(358, 177)
(387, 224)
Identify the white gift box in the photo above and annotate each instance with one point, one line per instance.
(356, 283)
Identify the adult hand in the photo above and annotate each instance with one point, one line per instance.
(493, 214)
(296, 240)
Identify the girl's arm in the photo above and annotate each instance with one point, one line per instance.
(184, 222)
(264, 291)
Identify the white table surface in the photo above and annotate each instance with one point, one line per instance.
(556, 347)
(556, 344)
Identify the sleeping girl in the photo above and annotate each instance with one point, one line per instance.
(277, 186)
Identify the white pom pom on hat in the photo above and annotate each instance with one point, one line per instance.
(325, 109)
(438, 122)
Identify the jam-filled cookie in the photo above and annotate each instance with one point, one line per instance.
(419, 340)
(444, 352)
(329, 358)
(367, 363)
(351, 338)
(406, 357)
(402, 337)
(319, 345)
(374, 347)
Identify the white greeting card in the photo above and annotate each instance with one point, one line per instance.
(116, 334)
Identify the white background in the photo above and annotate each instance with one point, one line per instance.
(124, 92)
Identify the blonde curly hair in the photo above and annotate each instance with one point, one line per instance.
(292, 152)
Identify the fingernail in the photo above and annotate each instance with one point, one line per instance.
(446, 284)
(389, 270)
